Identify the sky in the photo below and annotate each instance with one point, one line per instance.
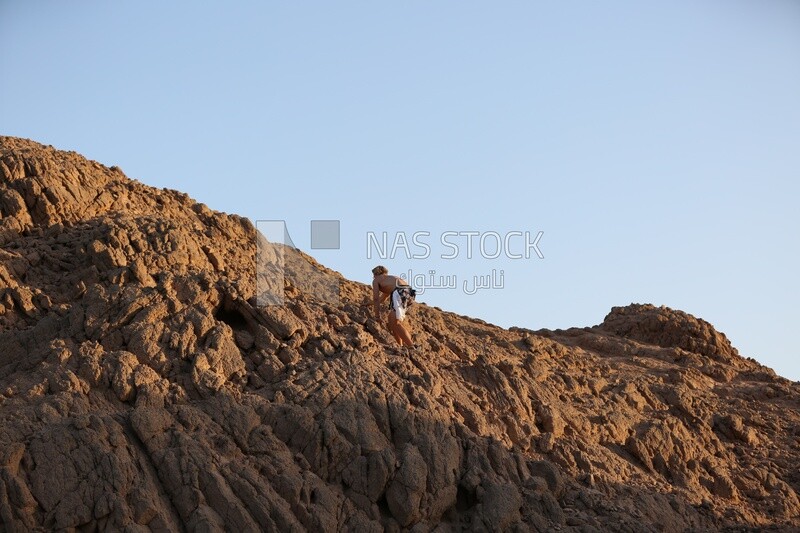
(655, 145)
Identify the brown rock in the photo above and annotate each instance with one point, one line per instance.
(142, 388)
(405, 493)
(501, 506)
(141, 274)
(666, 327)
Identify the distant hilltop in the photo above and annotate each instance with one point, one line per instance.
(142, 388)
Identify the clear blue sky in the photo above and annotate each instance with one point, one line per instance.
(657, 145)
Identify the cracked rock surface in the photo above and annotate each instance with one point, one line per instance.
(142, 388)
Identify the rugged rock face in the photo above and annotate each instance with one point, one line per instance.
(142, 388)
(669, 329)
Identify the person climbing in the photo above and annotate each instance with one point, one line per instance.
(400, 296)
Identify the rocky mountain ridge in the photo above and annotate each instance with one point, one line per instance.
(143, 389)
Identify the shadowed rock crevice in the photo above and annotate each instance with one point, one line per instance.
(143, 388)
(233, 318)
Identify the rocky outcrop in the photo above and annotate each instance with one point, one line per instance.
(143, 388)
(668, 328)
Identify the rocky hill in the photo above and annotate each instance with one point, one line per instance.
(143, 389)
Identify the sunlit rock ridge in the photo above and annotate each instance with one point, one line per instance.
(142, 388)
